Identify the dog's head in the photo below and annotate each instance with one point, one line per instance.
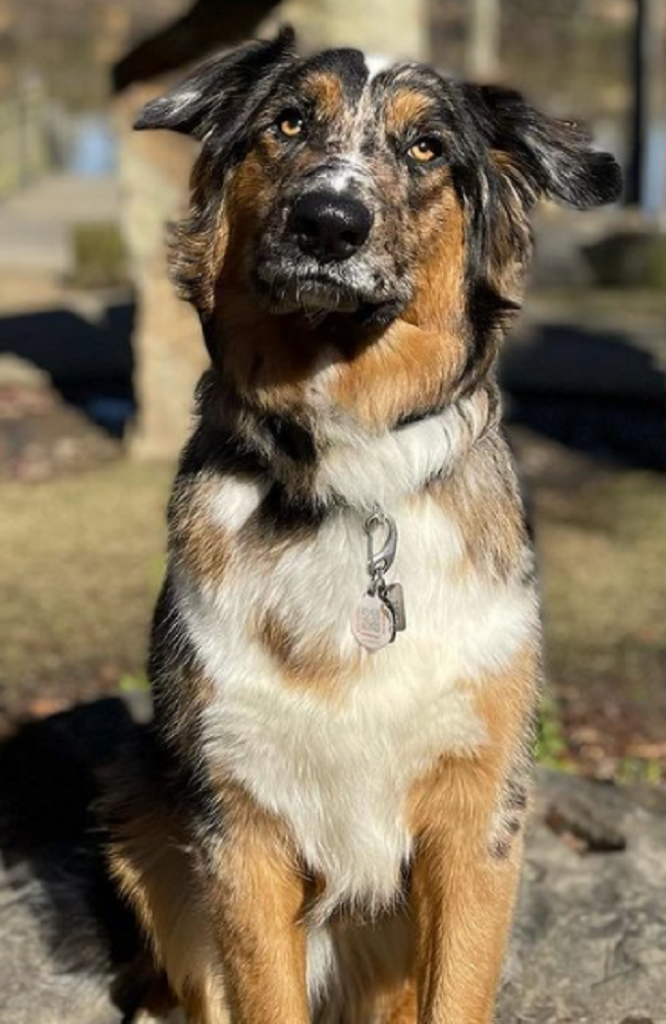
(330, 191)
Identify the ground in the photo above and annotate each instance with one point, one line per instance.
(79, 582)
(601, 540)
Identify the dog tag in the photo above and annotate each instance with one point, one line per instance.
(396, 598)
(373, 623)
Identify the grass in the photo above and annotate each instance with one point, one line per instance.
(79, 576)
(552, 750)
(99, 256)
(603, 552)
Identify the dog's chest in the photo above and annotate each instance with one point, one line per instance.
(336, 759)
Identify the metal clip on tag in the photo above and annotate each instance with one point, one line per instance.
(380, 613)
(379, 562)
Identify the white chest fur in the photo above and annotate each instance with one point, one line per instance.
(338, 766)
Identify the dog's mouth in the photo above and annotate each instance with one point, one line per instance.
(316, 292)
(320, 289)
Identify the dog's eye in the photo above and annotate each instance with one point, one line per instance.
(425, 149)
(291, 123)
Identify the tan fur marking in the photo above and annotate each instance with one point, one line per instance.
(462, 904)
(420, 355)
(276, 355)
(202, 545)
(245, 928)
(404, 109)
(399, 1006)
(153, 867)
(505, 702)
(256, 897)
(462, 899)
(440, 277)
(326, 91)
(275, 360)
(313, 668)
(402, 371)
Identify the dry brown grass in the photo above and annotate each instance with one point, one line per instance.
(81, 563)
(603, 556)
(603, 553)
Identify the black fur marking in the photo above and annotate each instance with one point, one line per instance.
(500, 849)
(291, 439)
(185, 781)
(217, 450)
(515, 798)
(347, 64)
(417, 416)
(551, 157)
(490, 315)
(171, 652)
(283, 515)
(221, 94)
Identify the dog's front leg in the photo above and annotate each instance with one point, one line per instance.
(462, 893)
(254, 894)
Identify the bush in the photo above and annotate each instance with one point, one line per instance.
(99, 256)
(629, 259)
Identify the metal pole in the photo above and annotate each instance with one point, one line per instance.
(639, 115)
(654, 171)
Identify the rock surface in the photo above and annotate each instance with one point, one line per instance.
(589, 942)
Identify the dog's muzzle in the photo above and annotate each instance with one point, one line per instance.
(320, 252)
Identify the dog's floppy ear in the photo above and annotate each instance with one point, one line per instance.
(545, 156)
(218, 92)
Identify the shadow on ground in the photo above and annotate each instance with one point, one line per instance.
(593, 391)
(596, 391)
(89, 360)
(58, 908)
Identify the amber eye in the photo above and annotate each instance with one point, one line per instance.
(425, 149)
(290, 123)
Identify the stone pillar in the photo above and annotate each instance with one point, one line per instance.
(169, 351)
(381, 27)
(484, 39)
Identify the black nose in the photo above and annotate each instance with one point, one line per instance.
(329, 226)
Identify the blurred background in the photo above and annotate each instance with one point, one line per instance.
(98, 359)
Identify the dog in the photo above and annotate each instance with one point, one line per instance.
(345, 655)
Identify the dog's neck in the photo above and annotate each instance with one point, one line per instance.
(320, 458)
